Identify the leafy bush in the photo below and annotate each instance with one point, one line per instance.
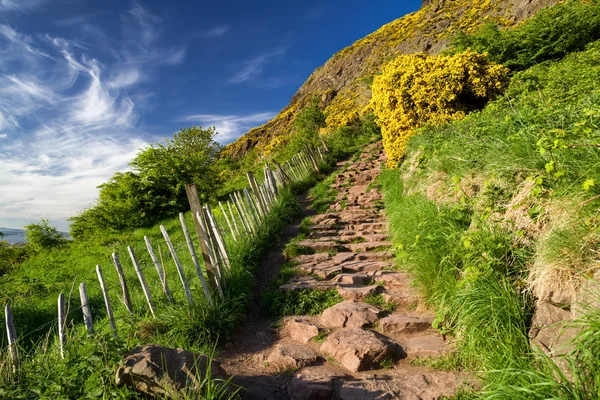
(42, 236)
(550, 34)
(415, 90)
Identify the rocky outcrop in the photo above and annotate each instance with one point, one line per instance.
(341, 80)
(157, 371)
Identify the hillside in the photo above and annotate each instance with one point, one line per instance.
(343, 82)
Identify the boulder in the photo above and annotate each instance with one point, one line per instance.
(350, 314)
(285, 357)
(300, 329)
(156, 371)
(309, 386)
(396, 324)
(357, 349)
(432, 345)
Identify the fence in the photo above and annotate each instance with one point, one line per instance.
(243, 213)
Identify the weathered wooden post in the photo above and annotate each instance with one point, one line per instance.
(159, 269)
(239, 210)
(119, 268)
(237, 229)
(180, 271)
(194, 200)
(251, 207)
(85, 307)
(254, 188)
(62, 324)
(109, 311)
(228, 222)
(211, 255)
(13, 347)
(218, 236)
(142, 279)
(192, 251)
(246, 212)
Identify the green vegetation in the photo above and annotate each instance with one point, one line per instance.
(491, 212)
(43, 236)
(551, 34)
(377, 300)
(155, 190)
(199, 328)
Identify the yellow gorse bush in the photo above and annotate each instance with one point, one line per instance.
(414, 90)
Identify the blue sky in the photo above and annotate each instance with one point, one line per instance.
(85, 83)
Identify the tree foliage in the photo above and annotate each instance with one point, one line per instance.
(42, 236)
(550, 34)
(155, 189)
(415, 90)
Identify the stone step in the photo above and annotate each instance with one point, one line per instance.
(404, 323)
(350, 314)
(357, 349)
(369, 246)
(320, 246)
(286, 357)
(430, 345)
(357, 292)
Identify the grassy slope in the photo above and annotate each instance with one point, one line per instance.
(481, 213)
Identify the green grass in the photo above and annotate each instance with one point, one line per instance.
(467, 210)
(377, 300)
(299, 302)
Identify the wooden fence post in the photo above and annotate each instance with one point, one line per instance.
(192, 251)
(228, 222)
(237, 230)
(242, 205)
(218, 236)
(85, 307)
(211, 255)
(126, 298)
(180, 271)
(159, 269)
(62, 324)
(251, 207)
(13, 347)
(195, 206)
(109, 311)
(254, 188)
(239, 210)
(142, 279)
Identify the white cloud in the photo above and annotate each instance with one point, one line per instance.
(68, 120)
(255, 66)
(230, 127)
(217, 31)
(19, 5)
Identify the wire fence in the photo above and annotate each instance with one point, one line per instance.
(243, 214)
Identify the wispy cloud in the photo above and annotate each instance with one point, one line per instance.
(19, 5)
(254, 67)
(230, 127)
(68, 119)
(217, 31)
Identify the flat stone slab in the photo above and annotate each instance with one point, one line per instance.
(350, 314)
(300, 329)
(291, 356)
(397, 324)
(432, 345)
(356, 292)
(357, 349)
(350, 279)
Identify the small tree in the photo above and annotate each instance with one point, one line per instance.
(310, 120)
(43, 236)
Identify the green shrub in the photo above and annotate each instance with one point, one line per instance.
(42, 236)
(550, 34)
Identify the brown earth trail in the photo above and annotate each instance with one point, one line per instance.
(354, 350)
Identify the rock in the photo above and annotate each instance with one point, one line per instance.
(291, 356)
(549, 329)
(309, 386)
(356, 292)
(350, 279)
(300, 329)
(358, 391)
(340, 258)
(425, 346)
(357, 349)
(156, 371)
(396, 324)
(350, 314)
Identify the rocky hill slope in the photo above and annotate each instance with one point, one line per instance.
(343, 83)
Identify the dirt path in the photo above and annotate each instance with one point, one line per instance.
(362, 347)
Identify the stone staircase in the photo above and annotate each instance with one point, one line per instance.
(356, 350)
